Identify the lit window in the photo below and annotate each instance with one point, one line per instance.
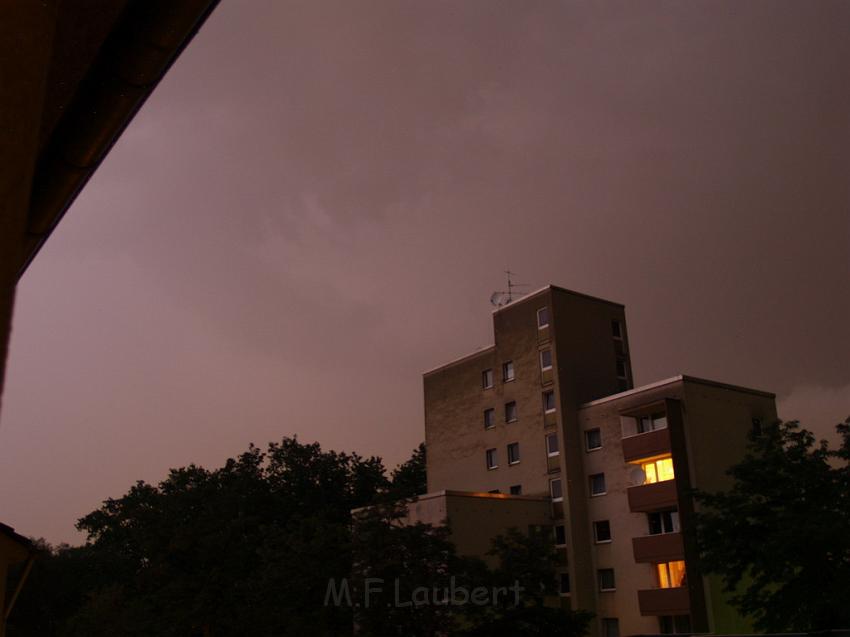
(542, 317)
(492, 461)
(610, 627)
(489, 418)
(508, 371)
(593, 439)
(555, 490)
(659, 470)
(552, 448)
(560, 535)
(487, 378)
(651, 423)
(602, 531)
(597, 484)
(564, 587)
(513, 453)
(510, 411)
(516, 489)
(671, 574)
(549, 401)
(546, 359)
(663, 522)
(606, 579)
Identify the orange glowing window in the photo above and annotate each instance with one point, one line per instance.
(658, 470)
(671, 574)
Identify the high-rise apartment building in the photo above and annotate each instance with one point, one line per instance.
(549, 412)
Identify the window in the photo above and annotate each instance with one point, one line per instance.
(489, 418)
(671, 574)
(651, 423)
(674, 624)
(549, 401)
(552, 448)
(597, 484)
(564, 584)
(560, 535)
(510, 411)
(610, 627)
(546, 359)
(492, 460)
(542, 318)
(621, 368)
(616, 329)
(508, 371)
(606, 579)
(602, 531)
(619, 348)
(487, 378)
(513, 453)
(555, 490)
(494, 491)
(516, 489)
(593, 439)
(663, 522)
(659, 470)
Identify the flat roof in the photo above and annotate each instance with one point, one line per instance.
(449, 493)
(681, 378)
(460, 359)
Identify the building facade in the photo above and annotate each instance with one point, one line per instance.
(550, 411)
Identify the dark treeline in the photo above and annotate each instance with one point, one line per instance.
(250, 548)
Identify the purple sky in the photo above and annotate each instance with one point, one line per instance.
(318, 200)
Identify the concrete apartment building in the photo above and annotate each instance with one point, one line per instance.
(546, 427)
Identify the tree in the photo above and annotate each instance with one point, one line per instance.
(780, 537)
(409, 479)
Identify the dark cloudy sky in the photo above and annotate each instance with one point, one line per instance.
(318, 200)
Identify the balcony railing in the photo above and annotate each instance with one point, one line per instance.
(651, 443)
(664, 547)
(664, 601)
(652, 497)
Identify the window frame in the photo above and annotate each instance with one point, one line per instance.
(561, 578)
(546, 394)
(544, 309)
(515, 411)
(559, 498)
(491, 458)
(553, 435)
(563, 532)
(543, 366)
(596, 539)
(599, 576)
(508, 365)
(515, 489)
(604, 484)
(587, 446)
(491, 411)
(484, 374)
(511, 448)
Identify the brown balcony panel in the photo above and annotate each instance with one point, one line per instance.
(652, 497)
(665, 547)
(664, 601)
(652, 443)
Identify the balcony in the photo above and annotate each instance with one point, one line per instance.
(664, 547)
(646, 445)
(652, 497)
(664, 601)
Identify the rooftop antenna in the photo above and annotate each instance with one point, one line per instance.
(502, 298)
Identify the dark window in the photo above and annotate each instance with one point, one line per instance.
(543, 317)
(651, 423)
(510, 411)
(513, 453)
(487, 378)
(619, 347)
(549, 401)
(606, 579)
(673, 624)
(663, 522)
(593, 439)
(602, 531)
(492, 461)
(560, 535)
(610, 627)
(508, 371)
(494, 491)
(597, 484)
(516, 489)
(489, 418)
(616, 329)
(621, 368)
(555, 490)
(546, 359)
(552, 448)
(565, 584)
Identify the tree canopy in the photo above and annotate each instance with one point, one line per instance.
(780, 537)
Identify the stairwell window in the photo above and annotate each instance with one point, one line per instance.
(564, 584)
(492, 460)
(552, 448)
(560, 535)
(489, 418)
(542, 318)
(593, 439)
(510, 411)
(549, 401)
(508, 371)
(545, 359)
(556, 490)
(487, 379)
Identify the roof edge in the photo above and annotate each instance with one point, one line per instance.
(676, 379)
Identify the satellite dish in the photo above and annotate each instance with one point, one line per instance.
(499, 299)
(637, 476)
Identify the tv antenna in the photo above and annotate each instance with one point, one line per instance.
(502, 298)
